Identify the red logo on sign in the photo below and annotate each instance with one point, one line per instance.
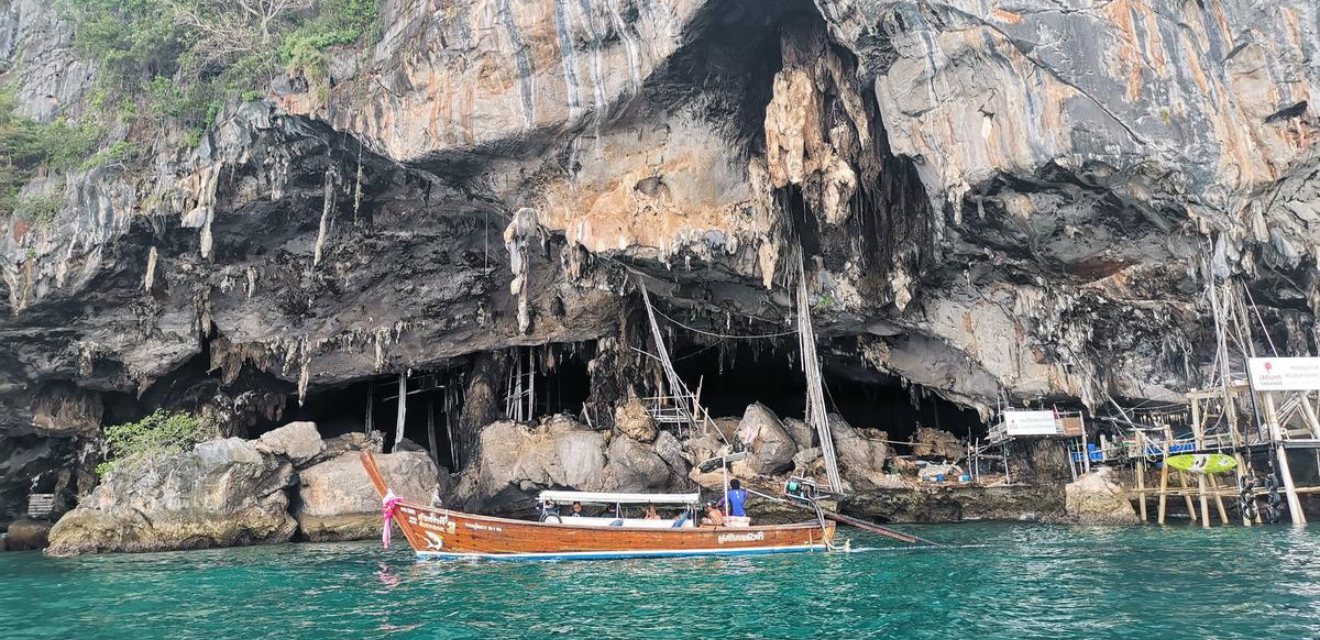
(1268, 365)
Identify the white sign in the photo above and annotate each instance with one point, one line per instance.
(1030, 423)
(1284, 374)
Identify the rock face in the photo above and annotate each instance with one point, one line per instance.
(518, 461)
(862, 453)
(982, 212)
(957, 504)
(222, 493)
(936, 443)
(772, 448)
(632, 420)
(1096, 499)
(336, 500)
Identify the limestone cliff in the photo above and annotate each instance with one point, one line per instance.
(993, 199)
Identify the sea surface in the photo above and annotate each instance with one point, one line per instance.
(987, 581)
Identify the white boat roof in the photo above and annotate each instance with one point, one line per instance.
(592, 497)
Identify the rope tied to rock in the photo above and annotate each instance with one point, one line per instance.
(388, 504)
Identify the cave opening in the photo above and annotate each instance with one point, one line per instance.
(432, 403)
(733, 376)
(546, 380)
(878, 401)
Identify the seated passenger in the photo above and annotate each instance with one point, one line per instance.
(577, 510)
(650, 513)
(714, 517)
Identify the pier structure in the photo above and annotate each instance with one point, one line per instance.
(1273, 435)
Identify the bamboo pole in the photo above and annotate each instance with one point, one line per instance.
(1205, 503)
(1308, 410)
(371, 404)
(1164, 475)
(1086, 450)
(401, 420)
(1281, 460)
(1140, 469)
(450, 393)
(1219, 500)
(430, 427)
(1187, 495)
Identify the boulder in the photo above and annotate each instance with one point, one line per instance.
(636, 468)
(670, 450)
(1096, 499)
(336, 500)
(27, 535)
(517, 461)
(632, 420)
(808, 463)
(904, 466)
(408, 445)
(861, 452)
(703, 448)
(223, 493)
(355, 441)
(802, 434)
(769, 442)
(727, 427)
(300, 442)
(936, 443)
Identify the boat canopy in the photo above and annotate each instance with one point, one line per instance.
(591, 497)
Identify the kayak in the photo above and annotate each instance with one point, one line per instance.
(1207, 463)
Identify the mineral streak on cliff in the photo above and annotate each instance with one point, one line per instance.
(1018, 200)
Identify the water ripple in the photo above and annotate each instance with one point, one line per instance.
(987, 581)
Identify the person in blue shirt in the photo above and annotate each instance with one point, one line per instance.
(737, 497)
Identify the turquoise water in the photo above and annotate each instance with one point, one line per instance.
(991, 581)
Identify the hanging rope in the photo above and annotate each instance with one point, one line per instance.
(726, 336)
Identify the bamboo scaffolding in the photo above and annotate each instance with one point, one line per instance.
(816, 412)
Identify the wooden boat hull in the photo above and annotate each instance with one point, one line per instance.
(439, 534)
(436, 533)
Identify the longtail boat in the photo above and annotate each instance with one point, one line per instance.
(439, 533)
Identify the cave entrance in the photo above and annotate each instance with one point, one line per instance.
(869, 399)
(733, 376)
(547, 379)
(432, 402)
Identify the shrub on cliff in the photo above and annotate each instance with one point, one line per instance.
(161, 433)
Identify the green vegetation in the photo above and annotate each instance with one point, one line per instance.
(27, 145)
(171, 61)
(182, 59)
(161, 433)
(39, 211)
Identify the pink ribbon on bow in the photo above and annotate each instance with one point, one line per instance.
(388, 505)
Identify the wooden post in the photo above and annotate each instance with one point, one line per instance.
(1164, 475)
(430, 427)
(1219, 500)
(371, 404)
(1281, 460)
(1196, 424)
(1187, 495)
(1140, 468)
(1086, 451)
(401, 420)
(451, 394)
(1308, 410)
(1205, 504)
(531, 383)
